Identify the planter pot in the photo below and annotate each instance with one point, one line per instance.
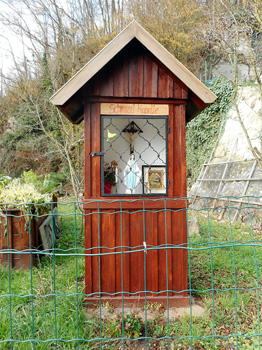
(107, 187)
(17, 237)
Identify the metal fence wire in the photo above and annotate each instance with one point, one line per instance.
(42, 282)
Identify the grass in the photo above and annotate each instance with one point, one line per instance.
(225, 271)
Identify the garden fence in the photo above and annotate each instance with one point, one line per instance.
(44, 305)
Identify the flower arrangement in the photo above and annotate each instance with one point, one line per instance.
(111, 172)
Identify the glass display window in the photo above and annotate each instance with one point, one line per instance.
(134, 155)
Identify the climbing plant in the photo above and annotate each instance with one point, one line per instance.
(203, 131)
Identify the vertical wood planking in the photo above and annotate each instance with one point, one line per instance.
(165, 255)
(161, 253)
(171, 174)
(7, 242)
(110, 90)
(97, 81)
(183, 151)
(126, 257)
(120, 79)
(137, 74)
(176, 154)
(96, 147)
(147, 76)
(169, 250)
(180, 89)
(179, 159)
(108, 240)
(140, 76)
(154, 79)
(88, 142)
(180, 268)
(150, 77)
(136, 258)
(125, 273)
(177, 90)
(149, 241)
(184, 270)
(88, 90)
(125, 74)
(135, 80)
(152, 255)
(118, 271)
(184, 91)
(21, 242)
(18, 238)
(170, 83)
(10, 238)
(17, 227)
(88, 246)
(132, 74)
(163, 88)
(95, 259)
(107, 82)
(183, 187)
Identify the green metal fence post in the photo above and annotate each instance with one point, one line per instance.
(257, 276)
(212, 274)
(31, 272)
(9, 277)
(77, 297)
(235, 272)
(54, 273)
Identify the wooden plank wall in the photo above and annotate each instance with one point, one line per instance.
(117, 234)
(136, 73)
(19, 239)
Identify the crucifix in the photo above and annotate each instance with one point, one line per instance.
(132, 129)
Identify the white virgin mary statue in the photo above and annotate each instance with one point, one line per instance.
(132, 175)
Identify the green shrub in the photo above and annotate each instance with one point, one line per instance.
(28, 189)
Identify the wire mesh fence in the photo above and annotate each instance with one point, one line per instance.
(43, 293)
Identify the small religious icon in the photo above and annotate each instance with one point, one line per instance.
(132, 129)
(132, 175)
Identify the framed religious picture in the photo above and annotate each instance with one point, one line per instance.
(154, 179)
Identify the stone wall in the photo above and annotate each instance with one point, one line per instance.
(250, 109)
(233, 141)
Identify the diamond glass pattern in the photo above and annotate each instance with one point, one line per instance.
(141, 172)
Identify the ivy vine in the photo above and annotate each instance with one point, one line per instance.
(203, 131)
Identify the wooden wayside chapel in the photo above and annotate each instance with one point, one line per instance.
(135, 99)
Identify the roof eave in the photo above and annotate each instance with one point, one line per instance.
(75, 115)
(134, 30)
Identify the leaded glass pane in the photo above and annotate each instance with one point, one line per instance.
(135, 155)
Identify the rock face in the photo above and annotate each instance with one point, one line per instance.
(233, 144)
(249, 105)
(245, 69)
(193, 226)
(224, 68)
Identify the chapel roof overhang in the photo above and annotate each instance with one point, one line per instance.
(69, 98)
